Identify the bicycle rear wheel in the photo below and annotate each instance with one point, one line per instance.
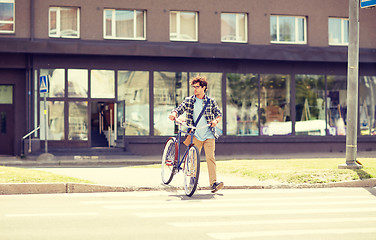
(168, 157)
(191, 171)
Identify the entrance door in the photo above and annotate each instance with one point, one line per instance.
(6, 120)
(102, 124)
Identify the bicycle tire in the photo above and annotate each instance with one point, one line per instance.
(168, 157)
(191, 171)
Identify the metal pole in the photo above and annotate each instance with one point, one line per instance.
(352, 87)
(45, 126)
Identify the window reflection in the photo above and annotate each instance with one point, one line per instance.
(337, 104)
(57, 81)
(78, 123)
(133, 103)
(242, 104)
(170, 89)
(367, 105)
(214, 88)
(77, 82)
(55, 120)
(310, 105)
(102, 84)
(275, 116)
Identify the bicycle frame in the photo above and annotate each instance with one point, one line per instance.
(179, 138)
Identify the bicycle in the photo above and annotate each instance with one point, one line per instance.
(189, 163)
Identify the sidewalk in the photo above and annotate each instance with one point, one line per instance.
(114, 174)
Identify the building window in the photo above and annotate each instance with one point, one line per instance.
(234, 27)
(55, 120)
(78, 121)
(6, 94)
(64, 22)
(170, 89)
(78, 83)
(183, 26)
(275, 118)
(57, 82)
(124, 24)
(288, 29)
(242, 104)
(310, 105)
(102, 84)
(133, 103)
(338, 31)
(7, 19)
(367, 105)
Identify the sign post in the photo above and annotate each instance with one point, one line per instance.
(43, 88)
(352, 88)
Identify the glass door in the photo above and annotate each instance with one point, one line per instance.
(120, 123)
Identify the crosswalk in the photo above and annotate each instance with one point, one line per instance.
(338, 213)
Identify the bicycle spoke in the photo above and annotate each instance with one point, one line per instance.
(191, 171)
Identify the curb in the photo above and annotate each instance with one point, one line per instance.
(54, 188)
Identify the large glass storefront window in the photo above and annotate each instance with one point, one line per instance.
(214, 89)
(133, 103)
(78, 122)
(170, 89)
(275, 116)
(337, 104)
(310, 105)
(102, 84)
(55, 120)
(57, 82)
(78, 83)
(242, 104)
(367, 105)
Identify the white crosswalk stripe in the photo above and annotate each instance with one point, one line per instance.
(260, 214)
(295, 232)
(273, 221)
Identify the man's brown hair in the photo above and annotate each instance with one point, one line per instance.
(201, 80)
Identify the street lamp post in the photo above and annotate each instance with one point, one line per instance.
(352, 88)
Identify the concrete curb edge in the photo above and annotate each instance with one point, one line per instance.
(50, 188)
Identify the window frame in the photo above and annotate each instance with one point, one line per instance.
(178, 27)
(13, 22)
(237, 28)
(342, 43)
(58, 23)
(113, 24)
(296, 30)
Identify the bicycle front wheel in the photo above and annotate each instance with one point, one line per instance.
(168, 157)
(191, 171)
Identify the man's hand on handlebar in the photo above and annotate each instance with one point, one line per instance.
(172, 116)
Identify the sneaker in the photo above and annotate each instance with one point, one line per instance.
(217, 186)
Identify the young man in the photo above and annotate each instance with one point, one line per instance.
(204, 137)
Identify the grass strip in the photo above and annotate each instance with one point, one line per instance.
(23, 175)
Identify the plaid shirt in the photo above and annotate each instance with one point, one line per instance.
(211, 112)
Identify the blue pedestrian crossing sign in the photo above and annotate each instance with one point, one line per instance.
(367, 3)
(44, 83)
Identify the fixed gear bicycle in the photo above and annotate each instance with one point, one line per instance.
(189, 163)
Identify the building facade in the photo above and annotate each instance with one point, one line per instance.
(277, 68)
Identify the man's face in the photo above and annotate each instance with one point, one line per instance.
(198, 90)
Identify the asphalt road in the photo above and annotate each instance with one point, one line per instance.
(318, 213)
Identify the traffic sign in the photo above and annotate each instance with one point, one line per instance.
(367, 3)
(44, 83)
